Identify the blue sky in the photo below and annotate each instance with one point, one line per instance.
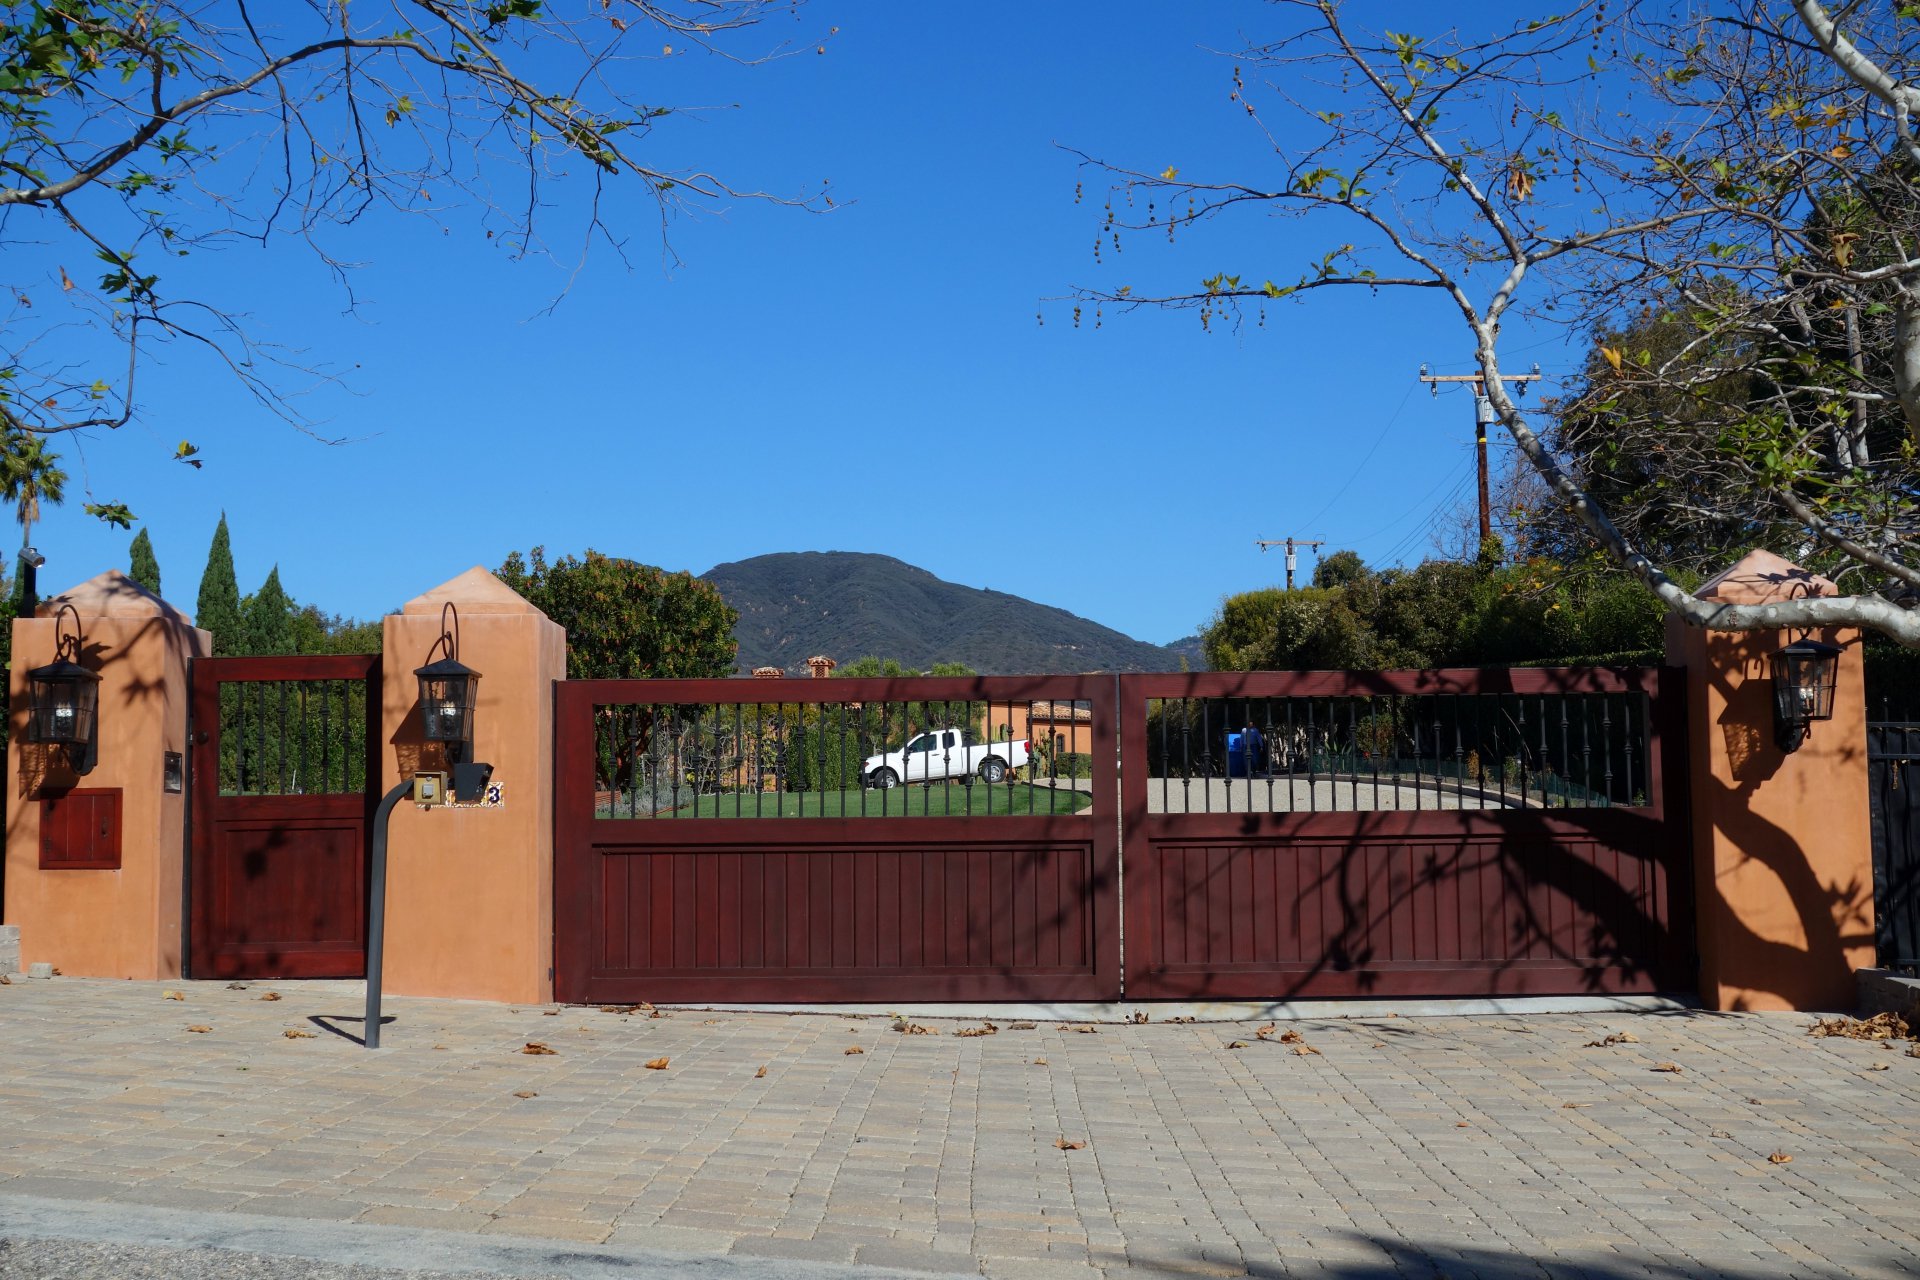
(869, 379)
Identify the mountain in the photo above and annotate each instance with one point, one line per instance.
(848, 604)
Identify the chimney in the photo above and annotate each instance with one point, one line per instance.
(767, 673)
(821, 666)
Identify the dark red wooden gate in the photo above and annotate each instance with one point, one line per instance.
(719, 840)
(283, 756)
(1403, 833)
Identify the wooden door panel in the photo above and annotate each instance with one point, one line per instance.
(279, 875)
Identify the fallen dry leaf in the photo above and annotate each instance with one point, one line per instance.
(1267, 1030)
(1236, 1044)
(1292, 1036)
(1066, 1144)
(1779, 1157)
(1183, 1019)
(854, 1048)
(197, 1030)
(1574, 1106)
(1139, 1016)
(1881, 1026)
(172, 995)
(549, 1013)
(1088, 1030)
(439, 1046)
(525, 1093)
(296, 1033)
(1671, 1068)
(5, 981)
(760, 1074)
(1021, 1026)
(1880, 1066)
(656, 1064)
(1461, 1124)
(984, 1029)
(1379, 1044)
(1039, 1062)
(906, 1028)
(271, 995)
(1303, 1050)
(1617, 1037)
(536, 1048)
(236, 986)
(1719, 1133)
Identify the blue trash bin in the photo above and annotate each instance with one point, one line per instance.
(1246, 753)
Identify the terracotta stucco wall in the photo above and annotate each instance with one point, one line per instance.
(1783, 862)
(98, 923)
(470, 890)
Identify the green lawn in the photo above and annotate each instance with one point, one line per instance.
(908, 802)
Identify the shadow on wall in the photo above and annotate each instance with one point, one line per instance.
(1833, 915)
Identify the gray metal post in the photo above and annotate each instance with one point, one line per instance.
(377, 908)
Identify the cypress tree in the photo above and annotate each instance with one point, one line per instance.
(144, 569)
(269, 618)
(218, 609)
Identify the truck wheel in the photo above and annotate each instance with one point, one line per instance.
(992, 769)
(886, 778)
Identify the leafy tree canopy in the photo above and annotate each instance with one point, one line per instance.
(626, 620)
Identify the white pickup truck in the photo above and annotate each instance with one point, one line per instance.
(944, 753)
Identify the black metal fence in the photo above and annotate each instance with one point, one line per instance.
(293, 737)
(1893, 773)
(841, 758)
(1397, 752)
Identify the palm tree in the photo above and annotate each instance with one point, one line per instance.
(29, 476)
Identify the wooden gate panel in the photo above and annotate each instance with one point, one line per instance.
(880, 908)
(1556, 867)
(280, 804)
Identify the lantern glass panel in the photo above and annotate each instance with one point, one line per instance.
(1804, 675)
(447, 691)
(66, 698)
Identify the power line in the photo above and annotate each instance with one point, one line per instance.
(1414, 507)
(1377, 442)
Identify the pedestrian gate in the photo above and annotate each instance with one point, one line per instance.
(283, 775)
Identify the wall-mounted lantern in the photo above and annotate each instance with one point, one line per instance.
(447, 692)
(66, 700)
(1804, 674)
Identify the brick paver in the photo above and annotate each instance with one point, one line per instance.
(1457, 1146)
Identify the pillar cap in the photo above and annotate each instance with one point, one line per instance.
(473, 592)
(1761, 577)
(109, 595)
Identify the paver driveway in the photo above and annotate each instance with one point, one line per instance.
(1464, 1146)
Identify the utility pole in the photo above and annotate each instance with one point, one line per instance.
(1483, 417)
(1289, 544)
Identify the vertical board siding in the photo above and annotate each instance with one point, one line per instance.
(842, 911)
(1383, 914)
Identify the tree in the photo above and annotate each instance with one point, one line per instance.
(144, 568)
(218, 608)
(1741, 183)
(625, 620)
(140, 132)
(30, 475)
(317, 631)
(268, 616)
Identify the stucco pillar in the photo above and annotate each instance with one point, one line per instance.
(1783, 859)
(91, 921)
(470, 889)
